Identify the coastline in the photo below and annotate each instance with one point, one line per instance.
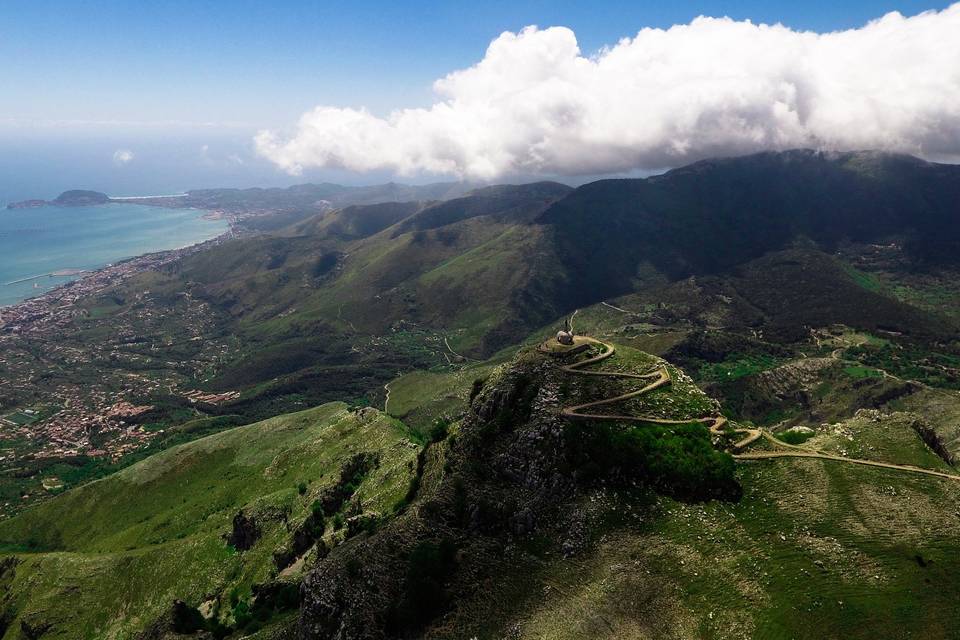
(233, 219)
(57, 306)
(25, 312)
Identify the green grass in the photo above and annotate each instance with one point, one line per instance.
(107, 558)
(858, 372)
(420, 398)
(29, 415)
(21, 418)
(815, 540)
(938, 368)
(737, 366)
(814, 549)
(866, 280)
(887, 438)
(793, 437)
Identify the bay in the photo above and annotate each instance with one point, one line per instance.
(37, 242)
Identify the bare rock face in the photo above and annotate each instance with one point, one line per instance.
(245, 532)
(503, 478)
(512, 471)
(33, 629)
(180, 622)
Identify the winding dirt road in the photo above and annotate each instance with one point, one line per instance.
(767, 455)
(659, 377)
(718, 425)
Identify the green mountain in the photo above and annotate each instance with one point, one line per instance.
(522, 256)
(323, 196)
(536, 526)
(79, 197)
(714, 215)
(511, 520)
(755, 426)
(210, 523)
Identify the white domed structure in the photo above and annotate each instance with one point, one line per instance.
(564, 337)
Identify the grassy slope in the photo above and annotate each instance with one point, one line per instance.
(813, 550)
(420, 398)
(106, 559)
(863, 552)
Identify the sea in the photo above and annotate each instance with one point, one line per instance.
(35, 243)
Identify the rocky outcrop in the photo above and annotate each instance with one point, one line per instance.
(933, 439)
(510, 473)
(245, 532)
(505, 479)
(181, 621)
(307, 534)
(72, 198)
(351, 475)
(34, 629)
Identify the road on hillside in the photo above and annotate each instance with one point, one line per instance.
(718, 425)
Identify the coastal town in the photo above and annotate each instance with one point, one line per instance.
(69, 390)
(108, 363)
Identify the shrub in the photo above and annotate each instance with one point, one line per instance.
(476, 388)
(678, 461)
(439, 430)
(186, 619)
(794, 437)
(315, 525)
(429, 567)
(354, 566)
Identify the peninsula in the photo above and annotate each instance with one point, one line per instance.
(72, 198)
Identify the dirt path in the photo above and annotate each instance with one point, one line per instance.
(660, 377)
(717, 425)
(767, 455)
(607, 304)
(459, 355)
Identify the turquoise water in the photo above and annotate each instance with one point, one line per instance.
(40, 241)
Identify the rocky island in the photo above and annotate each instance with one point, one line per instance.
(72, 198)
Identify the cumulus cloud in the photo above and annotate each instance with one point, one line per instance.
(536, 104)
(122, 157)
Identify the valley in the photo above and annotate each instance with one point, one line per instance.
(360, 423)
(480, 321)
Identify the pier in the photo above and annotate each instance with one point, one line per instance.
(53, 274)
(172, 195)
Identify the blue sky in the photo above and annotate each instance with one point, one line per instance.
(183, 85)
(261, 64)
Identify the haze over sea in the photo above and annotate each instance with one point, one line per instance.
(48, 239)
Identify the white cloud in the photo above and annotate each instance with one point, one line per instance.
(122, 157)
(536, 104)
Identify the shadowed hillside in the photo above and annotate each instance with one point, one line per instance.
(716, 214)
(337, 305)
(595, 492)
(213, 523)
